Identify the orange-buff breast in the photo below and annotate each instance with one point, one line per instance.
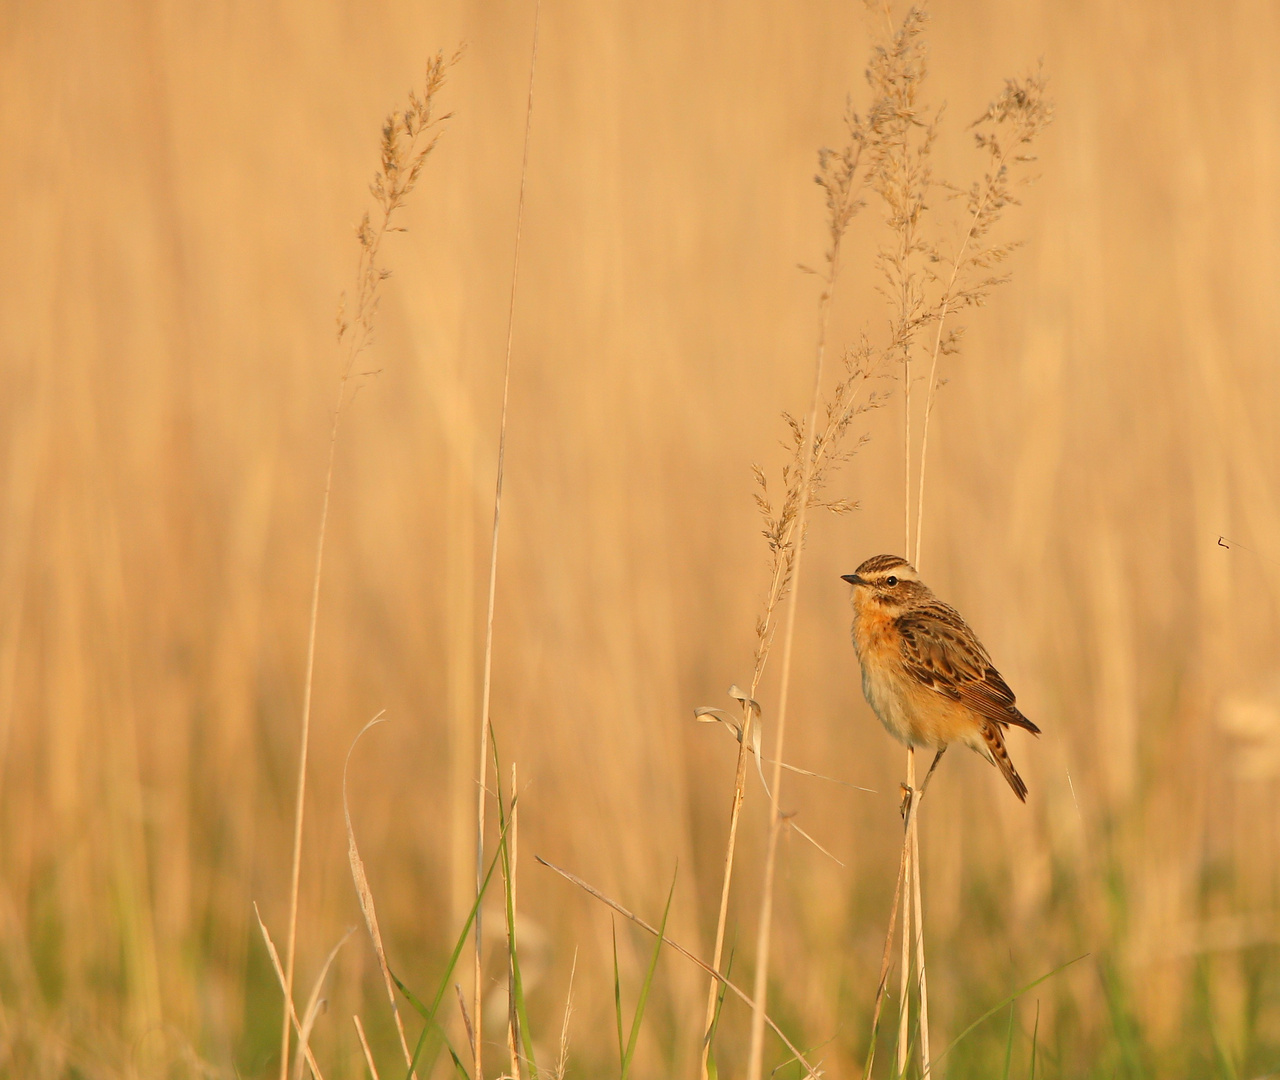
(911, 712)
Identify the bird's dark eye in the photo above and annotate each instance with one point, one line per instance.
(891, 581)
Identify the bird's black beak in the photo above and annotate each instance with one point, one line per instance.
(853, 579)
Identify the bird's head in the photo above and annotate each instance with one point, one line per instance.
(887, 583)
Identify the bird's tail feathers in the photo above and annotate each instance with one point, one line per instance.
(1000, 756)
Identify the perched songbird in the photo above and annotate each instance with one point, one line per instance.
(924, 672)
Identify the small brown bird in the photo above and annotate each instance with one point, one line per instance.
(924, 672)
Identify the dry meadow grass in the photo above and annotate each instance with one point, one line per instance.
(180, 189)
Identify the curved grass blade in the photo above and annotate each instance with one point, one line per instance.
(504, 816)
(458, 1067)
(1035, 1038)
(428, 1013)
(1008, 1046)
(315, 1006)
(648, 982)
(431, 1023)
(363, 893)
(713, 1073)
(617, 993)
(1001, 1004)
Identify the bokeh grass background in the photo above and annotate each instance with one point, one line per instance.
(178, 190)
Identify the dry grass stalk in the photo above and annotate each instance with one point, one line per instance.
(842, 180)
(562, 1059)
(900, 137)
(893, 143)
(921, 971)
(483, 766)
(365, 895)
(904, 966)
(364, 1045)
(513, 1021)
(803, 478)
(315, 1006)
(466, 1019)
(1005, 131)
(886, 149)
(896, 143)
(408, 137)
(903, 137)
(279, 970)
(885, 959)
(911, 917)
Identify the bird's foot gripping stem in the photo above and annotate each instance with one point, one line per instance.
(908, 791)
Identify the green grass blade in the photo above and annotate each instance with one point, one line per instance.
(617, 992)
(712, 1072)
(1000, 1005)
(444, 1038)
(517, 988)
(1008, 1046)
(893, 1049)
(428, 1013)
(1127, 1037)
(796, 1060)
(458, 1067)
(1226, 1066)
(1035, 1037)
(912, 1041)
(648, 982)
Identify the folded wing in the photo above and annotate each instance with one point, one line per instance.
(940, 650)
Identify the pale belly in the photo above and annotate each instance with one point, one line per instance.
(900, 715)
(912, 713)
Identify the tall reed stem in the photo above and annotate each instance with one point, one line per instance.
(408, 137)
(739, 793)
(904, 974)
(300, 801)
(840, 177)
(921, 975)
(912, 839)
(749, 720)
(483, 771)
(756, 1060)
(513, 843)
(1024, 106)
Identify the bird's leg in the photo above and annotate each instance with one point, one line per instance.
(936, 758)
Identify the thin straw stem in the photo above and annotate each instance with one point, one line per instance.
(912, 840)
(885, 962)
(482, 779)
(739, 793)
(948, 297)
(906, 442)
(921, 979)
(760, 990)
(513, 1038)
(928, 413)
(904, 974)
(403, 156)
(300, 802)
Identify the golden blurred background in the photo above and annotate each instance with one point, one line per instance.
(178, 190)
